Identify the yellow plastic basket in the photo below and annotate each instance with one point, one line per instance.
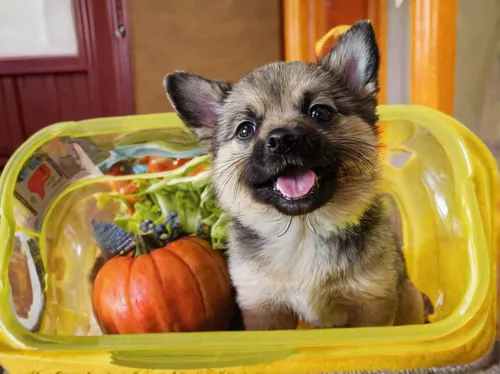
(444, 182)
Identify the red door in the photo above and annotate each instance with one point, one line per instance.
(94, 80)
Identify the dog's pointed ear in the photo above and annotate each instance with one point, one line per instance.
(197, 101)
(355, 59)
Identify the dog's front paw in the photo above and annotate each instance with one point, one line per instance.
(269, 318)
(413, 306)
(428, 307)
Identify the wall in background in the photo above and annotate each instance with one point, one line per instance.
(477, 76)
(398, 52)
(490, 114)
(223, 39)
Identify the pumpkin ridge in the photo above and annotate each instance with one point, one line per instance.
(198, 287)
(164, 286)
(219, 262)
(96, 298)
(127, 289)
(113, 322)
(220, 265)
(112, 314)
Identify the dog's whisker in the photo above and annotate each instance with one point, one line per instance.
(239, 181)
(286, 228)
(310, 226)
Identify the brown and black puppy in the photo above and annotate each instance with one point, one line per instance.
(296, 165)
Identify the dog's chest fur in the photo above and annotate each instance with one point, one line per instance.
(311, 272)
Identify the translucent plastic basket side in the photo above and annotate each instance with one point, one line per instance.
(461, 335)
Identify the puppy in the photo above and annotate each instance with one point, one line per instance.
(296, 165)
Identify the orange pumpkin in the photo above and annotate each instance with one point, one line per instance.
(184, 286)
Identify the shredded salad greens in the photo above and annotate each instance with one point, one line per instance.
(181, 202)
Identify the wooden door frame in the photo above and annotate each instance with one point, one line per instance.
(433, 53)
(122, 57)
(304, 24)
(110, 62)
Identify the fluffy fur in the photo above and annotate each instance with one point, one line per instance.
(329, 257)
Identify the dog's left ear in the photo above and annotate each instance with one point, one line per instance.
(197, 101)
(355, 59)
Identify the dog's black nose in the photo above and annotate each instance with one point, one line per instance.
(284, 140)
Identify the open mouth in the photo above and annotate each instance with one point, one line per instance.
(296, 190)
(294, 184)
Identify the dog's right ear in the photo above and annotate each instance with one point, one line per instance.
(355, 59)
(197, 101)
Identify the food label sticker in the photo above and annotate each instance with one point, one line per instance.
(56, 165)
(27, 280)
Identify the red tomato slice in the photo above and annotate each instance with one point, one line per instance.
(159, 164)
(125, 187)
(129, 189)
(144, 160)
(117, 169)
(180, 161)
(117, 185)
(198, 170)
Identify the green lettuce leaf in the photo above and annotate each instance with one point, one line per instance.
(190, 198)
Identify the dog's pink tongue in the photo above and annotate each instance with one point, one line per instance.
(297, 183)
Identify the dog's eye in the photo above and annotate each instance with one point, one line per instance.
(245, 130)
(321, 113)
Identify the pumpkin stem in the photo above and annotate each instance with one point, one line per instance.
(145, 244)
(141, 247)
